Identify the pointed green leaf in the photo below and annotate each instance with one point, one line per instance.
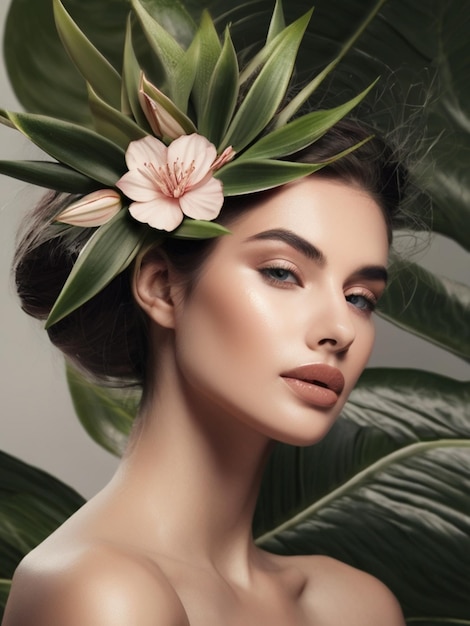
(109, 251)
(221, 96)
(50, 175)
(185, 76)
(277, 23)
(301, 132)
(435, 308)
(260, 58)
(206, 48)
(294, 105)
(163, 44)
(268, 90)
(241, 177)
(131, 74)
(107, 414)
(5, 120)
(112, 124)
(75, 146)
(246, 176)
(93, 66)
(199, 229)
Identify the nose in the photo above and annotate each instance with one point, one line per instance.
(332, 327)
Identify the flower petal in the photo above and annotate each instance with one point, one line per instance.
(193, 149)
(148, 149)
(163, 213)
(92, 210)
(203, 202)
(137, 186)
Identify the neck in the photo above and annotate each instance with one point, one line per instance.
(194, 472)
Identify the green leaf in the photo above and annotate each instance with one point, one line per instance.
(106, 414)
(413, 405)
(260, 58)
(301, 132)
(207, 49)
(242, 177)
(131, 75)
(413, 506)
(50, 175)
(166, 48)
(93, 66)
(268, 89)
(435, 308)
(5, 120)
(221, 95)
(108, 252)
(395, 469)
(294, 105)
(199, 229)
(112, 124)
(75, 146)
(4, 592)
(277, 23)
(247, 176)
(33, 505)
(388, 410)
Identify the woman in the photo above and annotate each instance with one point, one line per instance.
(261, 339)
(252, 337)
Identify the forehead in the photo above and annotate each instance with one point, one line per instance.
(340, 219)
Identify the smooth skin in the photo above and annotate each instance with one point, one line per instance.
(168, 542)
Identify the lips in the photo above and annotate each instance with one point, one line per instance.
(317, 384)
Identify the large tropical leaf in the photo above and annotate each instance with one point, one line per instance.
(106, 414)
(430, 306)
(32, 505)
(399, 483)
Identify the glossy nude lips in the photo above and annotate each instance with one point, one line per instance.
(317, 384)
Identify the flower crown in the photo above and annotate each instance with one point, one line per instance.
(165, 157)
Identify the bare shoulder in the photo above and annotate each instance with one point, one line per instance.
(98, 586)
(340, 591)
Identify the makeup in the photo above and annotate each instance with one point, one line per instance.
(317, 384)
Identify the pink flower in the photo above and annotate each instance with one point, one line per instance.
(95, 209)
(168, 183)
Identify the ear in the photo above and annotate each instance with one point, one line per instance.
(152, 290)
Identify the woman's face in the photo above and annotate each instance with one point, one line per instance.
(279, 325)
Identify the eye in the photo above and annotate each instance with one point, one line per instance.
(279, 275)
(363, 301)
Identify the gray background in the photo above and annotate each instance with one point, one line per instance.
(38, 424)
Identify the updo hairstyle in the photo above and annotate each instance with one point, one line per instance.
(107, 337)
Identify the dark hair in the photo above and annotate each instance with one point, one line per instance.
(107, 336)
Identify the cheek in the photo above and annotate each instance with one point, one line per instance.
(228, 330)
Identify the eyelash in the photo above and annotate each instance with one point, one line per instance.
(370, 300)
(268, 273)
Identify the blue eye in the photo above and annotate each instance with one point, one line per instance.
(279, 275)
(361, 302)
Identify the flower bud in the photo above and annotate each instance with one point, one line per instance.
(95, 209)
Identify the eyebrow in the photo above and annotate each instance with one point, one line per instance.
(294, 241)
(311, 252)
